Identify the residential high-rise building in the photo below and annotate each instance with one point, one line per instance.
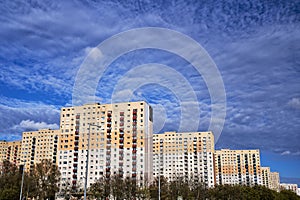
(188, 155)
(119, 137)
(265, 176)
(274, 181)
(37, 146)
(237, 167)
(289, 186)
(10, 151)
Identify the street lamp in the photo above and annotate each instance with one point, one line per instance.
(87, 159)
(158, 155)
(22, 183)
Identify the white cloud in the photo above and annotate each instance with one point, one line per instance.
(32, 125)
(294, 103)
(286, 153)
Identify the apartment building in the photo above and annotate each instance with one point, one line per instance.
(188, 155)
(237, 167)
(274, 181)
(10, 151)
(265, 176)
(39, 145)
(289, 186)
(119, 137)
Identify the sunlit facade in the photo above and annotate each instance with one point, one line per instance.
(188, 155)
(237, 167)
(120, 142)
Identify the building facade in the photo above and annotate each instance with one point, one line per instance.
(289, 186)
(119, 137)
(37, 146)
(274, 181)
(265, 176)
(237, 167)
(188, 155)
(10, 151)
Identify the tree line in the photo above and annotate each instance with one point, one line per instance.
(42, 182)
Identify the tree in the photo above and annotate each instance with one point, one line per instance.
(98, 189)
(46, 176)
(10, 181)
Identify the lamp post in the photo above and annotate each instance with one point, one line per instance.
(22, 183)
(87, 159)
(158, 155)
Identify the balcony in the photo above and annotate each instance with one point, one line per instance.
(134, 140)
(75, 165)
(108, 136)
(121, 129)
(134, 151)
(109, 125)
(75, 170)
(109, 114)
(76, 127)
(76, 143)
(108, 130)
(134, 117)
(121, 140)
(134, 123)
(121, 157)
(74, 182)
(75, 148)
(108, 119)
(76, 137)
(74, 176)
(134, 112)
(76, 132)
(121, 124)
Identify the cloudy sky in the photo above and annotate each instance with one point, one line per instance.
(254, 44)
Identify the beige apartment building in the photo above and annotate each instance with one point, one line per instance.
(10, 151)
(120, 142)
(188, 155)
(237, 167)
(39, 145)
(274, 181)
(265, 176)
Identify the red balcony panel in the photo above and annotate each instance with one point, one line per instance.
(108, 130)
(109, 114)
(75, 176)
(108, 125)
(121, 129)
(76, 143)
(134, 112)
(121, 124)
(74, 170)
(134, 151)
(134, 117)
(74, 182)
(77, 116)
(134, 146)
(121, 141)
(133, 157)
(76, 148)
(134, 140)
(121, 157)
(76, 132)
(108, 119)
(133, 175)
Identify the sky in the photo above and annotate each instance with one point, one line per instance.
(253, 44)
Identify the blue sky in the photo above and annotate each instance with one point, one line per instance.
(255, 45)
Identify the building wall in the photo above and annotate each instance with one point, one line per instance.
(237, 167)
(289, 186)
(274, 181)
(120, 142)
(188, 155)
(39, 145)
(10, 151)
(265, 176)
